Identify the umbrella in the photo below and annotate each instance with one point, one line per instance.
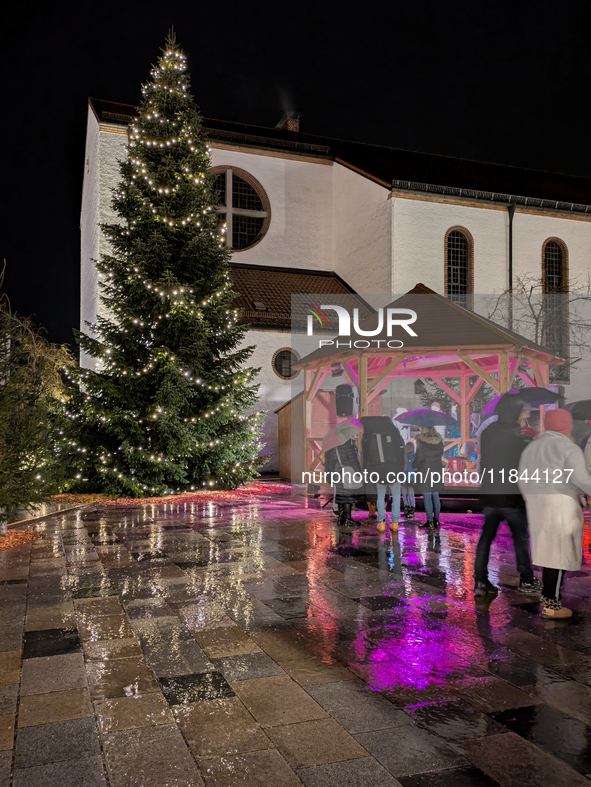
(536, 396)
(580, 411)
(341, 433)
(532, 396)
(490, 406)
(426, 417)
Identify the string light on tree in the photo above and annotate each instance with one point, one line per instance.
(166, 407)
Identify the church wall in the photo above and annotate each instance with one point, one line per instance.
(273, 391)
(89, 225)
(419, 227)
(105, 147)
(362, 233)
(531, 230)
(300, 193)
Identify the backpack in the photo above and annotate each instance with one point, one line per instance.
(382, 443)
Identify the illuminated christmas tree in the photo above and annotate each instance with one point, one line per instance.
(166, 408)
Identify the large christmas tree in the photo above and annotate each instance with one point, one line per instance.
(166, 409)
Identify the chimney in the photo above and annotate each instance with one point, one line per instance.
(290, 121)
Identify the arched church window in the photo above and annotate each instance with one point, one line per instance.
(459, 257)
(554, 267)
(243, 206)
(555, 322)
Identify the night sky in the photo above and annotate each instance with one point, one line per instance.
(496, 81)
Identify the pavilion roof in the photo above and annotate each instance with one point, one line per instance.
(442, 326)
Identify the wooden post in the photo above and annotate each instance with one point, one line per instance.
(307, 417)
(464, 408)
(362, 369)
(503, 372)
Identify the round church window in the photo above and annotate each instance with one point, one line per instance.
(283, 362)
(243, 206)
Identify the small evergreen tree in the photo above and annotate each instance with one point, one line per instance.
(165, 409)
(30, 387)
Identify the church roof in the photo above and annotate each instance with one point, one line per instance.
(265, 292)
(395, 168)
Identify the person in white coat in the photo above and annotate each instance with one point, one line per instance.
(552, 476)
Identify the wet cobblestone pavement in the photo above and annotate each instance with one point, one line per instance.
(252, 644)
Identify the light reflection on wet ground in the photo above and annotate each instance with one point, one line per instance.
(258, 631)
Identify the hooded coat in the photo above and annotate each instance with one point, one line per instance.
(554, 513)
(501, 446)
(428, 461)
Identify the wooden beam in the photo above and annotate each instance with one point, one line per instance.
(464, 409)
(312, 386)
(537, 374)
(513, 367)
(545, 373)
(363, 385)
(527, 379)
(480, 372)
(352, 373)
(503, 372)
(449, 391)
(307, 416)
(474, 390)
(372, 384)
(378, 389)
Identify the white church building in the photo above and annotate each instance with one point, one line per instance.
(310, 214)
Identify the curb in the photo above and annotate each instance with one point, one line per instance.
(53, 513)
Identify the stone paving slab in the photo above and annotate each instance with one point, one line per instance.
(254, 644)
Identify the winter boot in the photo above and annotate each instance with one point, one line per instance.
(371, 507)
(428, 523)
(381, 526)
(435, 523)
(411, 512)
(347, 520)
(552, 608)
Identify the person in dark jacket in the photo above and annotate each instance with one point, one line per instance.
(383, 455)
(501, 446)
(429, 461)
(407, 489)
(347, 492)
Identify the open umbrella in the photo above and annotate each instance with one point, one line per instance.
(426, 417)
(341, 434)
(580, 411)
(536, 396)
(533, 396)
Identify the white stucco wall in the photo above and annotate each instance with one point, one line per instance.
(105, 147)
(273, 391)
(529, 233)
(418, 245)
(300, 193)
(362, 232)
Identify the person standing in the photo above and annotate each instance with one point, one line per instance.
(407, 489)
(343, 460)
(501, 447)
(383, 454)
(429, 461)
(552, 476)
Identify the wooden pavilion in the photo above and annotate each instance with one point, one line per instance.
(452, 342)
